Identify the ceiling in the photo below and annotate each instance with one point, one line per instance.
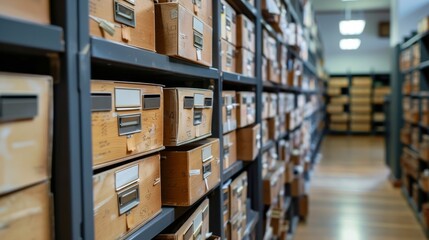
(339, 5)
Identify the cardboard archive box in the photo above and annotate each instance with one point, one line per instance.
(358, 91)
(229, 111)
(269, 48)
(245, 62)
(273, 183)
(238, 195)
(284, 151)
(361, 108)
(226, 199)
(338, 82)
(124, 22)
(127, 120)
(339, 118)
(189, 172)
(248, 142)
(360, 100)
(246, 108)
(265, 131)
(266, 105)
(126, 197)
(229, 149)
(360, 118)
(37, 11)
(229, 57)
(27, 213)
(26, 127)
(200, 8)
(365, 82)
(338, 126)
(196, 226)
(182, 105)
(379, 117)
(335, 108)
(360, 127)
(228, 23)
(264, 69)
(181, 34)
(245, 33)
(273, 105)
(273, 126)
(334, 91)
(274, 71)
(343, 99)
(237, 227)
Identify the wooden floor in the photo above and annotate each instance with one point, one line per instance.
(351, 198)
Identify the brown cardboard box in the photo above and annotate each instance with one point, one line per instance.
(246, 108)
(269, 48)
(343, 99)
(245, 33)
(358, 91)
(189, 172)
(379, 117)
(282, 124)
(229, 57)
(273, 183)
(127, 120)
(226, 199)
(274, 71)
(338, 82)
(238, 195)
(27, 214)
(334, 91)
(289, 176)
(228, 23)
(129, 194)
(229, 149)
(26, 127)
(273, 126)
(284, 151)
(360, 127)
(125, 22)
(237, 227)
(248, 142)
(194, 227)
(360, 108)
(297, 187)
(201, 8)
(338, 127)
(229, 111)
(265, 105)
(360, 100)
(365, 82)
(339, 118)
(265, 131)
(37, 11)
(183, 105)
(245, 62)
(277, 221)
(361, 117)
(181, 34)
(335, 108)
(304, 206)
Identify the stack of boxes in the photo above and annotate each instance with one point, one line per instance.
(378, 97)
(336, 108)
(237, 42)
(360, 104)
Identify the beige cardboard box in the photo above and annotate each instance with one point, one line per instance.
(229, 149)
(358, 91)
(201, 8)
(297, 186)
(381, 91)
(27, 213)
(226, 199)
(129, 194)
(273, 105)
(339, 118)
(265, 105)
(360, 127)
(229, 111)
(238, 195)
(361, 117)
(273, 126)
(360, 100)
(37, 11)
(338, 127)
(379, 117)
(228, 23)
(265, 131)
(125, 22)
(269, 47)
(246, 108)
(194, 227)
(187, 115)
(289, 176)
(237, 227)
(340, 82)
(362, 82)
(189, 172)
(334, 91)
(127, 120)
(273, 183)
(360, 108)
(284, 151)
(274, 71)
(245, 33)
(248, 142)
(229, 57)
(343, 99)
(335, 108)
(245, 62)
(26, 130)
(264, 69)
(181, 34)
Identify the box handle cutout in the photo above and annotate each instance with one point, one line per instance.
(101, 102)
(124, 14)
(198, 117)
(128, 199)
(18, 107)
(151, 101)
(129, 124)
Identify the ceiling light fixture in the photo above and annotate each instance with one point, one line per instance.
(352, 27)
(350, 43)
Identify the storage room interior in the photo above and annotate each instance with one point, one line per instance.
(214, 119)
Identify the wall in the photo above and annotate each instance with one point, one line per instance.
(373, 54)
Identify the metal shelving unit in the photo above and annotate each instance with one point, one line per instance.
(66, 51)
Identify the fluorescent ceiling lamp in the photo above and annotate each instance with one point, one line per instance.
(352, 27)
(350, 44)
